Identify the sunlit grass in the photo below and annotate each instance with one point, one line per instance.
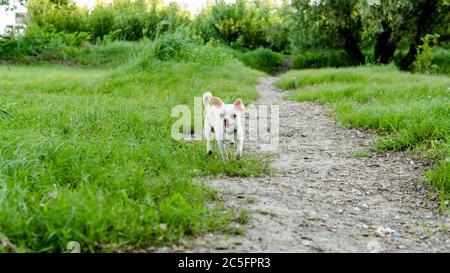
(88, 155)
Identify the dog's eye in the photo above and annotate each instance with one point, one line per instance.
(233, 116)
(222, 115)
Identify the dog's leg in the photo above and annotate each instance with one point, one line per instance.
(208, 136)
(240, 142)
(223, 152)
(220, 137)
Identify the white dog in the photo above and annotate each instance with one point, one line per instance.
(225, 121)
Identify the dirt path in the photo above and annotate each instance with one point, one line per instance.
(321, 198)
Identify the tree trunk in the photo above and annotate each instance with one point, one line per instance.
(352, 47)
(408, 59)
(443, 38)
(385, 47)
(426, 12)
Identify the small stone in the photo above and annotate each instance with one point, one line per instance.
(374, 247)
(384, 232)
(306, 242)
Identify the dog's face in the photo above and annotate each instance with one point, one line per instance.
(228, 114)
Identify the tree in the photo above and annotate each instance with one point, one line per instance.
(383, 25)
(245, 23)
(328, 24)
(385, 20)
(427, 16)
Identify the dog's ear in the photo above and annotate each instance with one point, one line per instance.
(216, 102)
(238, 104)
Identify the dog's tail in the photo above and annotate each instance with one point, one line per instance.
(207, 96)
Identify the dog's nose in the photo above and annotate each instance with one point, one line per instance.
(226, 122)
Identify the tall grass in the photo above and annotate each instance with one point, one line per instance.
(413, 109)
(88, 156)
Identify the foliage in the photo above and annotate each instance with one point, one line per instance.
(244, 24)
(422, 63)
(327, 24)
(440, 58)
(322, 58)
(42, 44)
(354, 25)
(120, 19)
(263, 59)
(299, 27)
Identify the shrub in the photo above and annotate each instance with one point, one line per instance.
(244, 24)
(121, 19)
(322, 58)
(440, 57)
(42, 44)
(172, 46)
(263, 59)
(183, 46)
(423, 63)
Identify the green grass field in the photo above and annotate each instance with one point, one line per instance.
(410, 111)
(88, 155)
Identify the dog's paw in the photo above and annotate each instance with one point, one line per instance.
(209, 152)
(237, 155)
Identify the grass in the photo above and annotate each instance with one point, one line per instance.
(262, 59)
(410, 111)
(88, 155)
(109, 54)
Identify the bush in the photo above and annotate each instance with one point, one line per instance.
(183, 46)
(172, 46)
(121, 19)
(42, 44)
(440, 57)
(244, 24)
(322, 58)
(263, 59)
(423, 64)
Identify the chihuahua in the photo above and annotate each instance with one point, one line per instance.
(224, 120)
